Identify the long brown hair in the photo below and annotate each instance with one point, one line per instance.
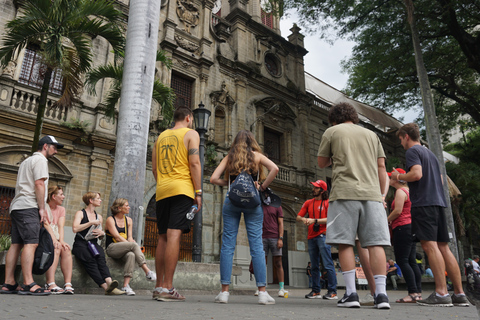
(241, 156)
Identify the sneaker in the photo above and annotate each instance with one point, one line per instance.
(281, 293)
(172, 295)
(460, 300)
(222, 297)
(264, 298)
(330, 296)
(350, 301)
(435, 301)
(256, 293)
(313, 295)
(156, 293)
(114, 292)
(381, 301)
(368, 300)
(151, 276)
(128, 290)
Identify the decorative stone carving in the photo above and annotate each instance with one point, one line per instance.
(9, 70)
(182, 64)
(106, 123)
(222, 97)
(188, 14)
(185, 44)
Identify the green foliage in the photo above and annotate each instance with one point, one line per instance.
(466, 175)
(393, 162)
(162, 94)
(5, 242)
(382, 66)
(76, 124)
(210, 155)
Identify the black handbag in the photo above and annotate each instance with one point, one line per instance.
(243, 193)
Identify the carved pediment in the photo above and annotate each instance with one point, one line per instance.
(278, 108)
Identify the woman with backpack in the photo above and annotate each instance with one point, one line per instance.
(244, 157)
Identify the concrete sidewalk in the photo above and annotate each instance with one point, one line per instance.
(200, 305)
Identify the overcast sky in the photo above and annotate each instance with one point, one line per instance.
(323, 59)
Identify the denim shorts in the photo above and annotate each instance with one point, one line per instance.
(25, 226)
(271, 244)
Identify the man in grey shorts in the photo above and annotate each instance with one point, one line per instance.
(272, 237)
(27, 211)
(356, 201)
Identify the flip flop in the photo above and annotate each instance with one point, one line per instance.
(11, 288)
(39, 292)
(414, 300)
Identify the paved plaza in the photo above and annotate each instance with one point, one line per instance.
(200, 305)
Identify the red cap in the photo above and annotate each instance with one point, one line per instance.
(320, 184)
(399, 170)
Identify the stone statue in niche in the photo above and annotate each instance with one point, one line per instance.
(188, 14)
(222, 97)
(9, 70)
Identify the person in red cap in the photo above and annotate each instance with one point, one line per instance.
(356, 200)
(403, 245)
(429, 225)
(317, 209)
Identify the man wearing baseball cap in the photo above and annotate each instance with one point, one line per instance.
(356, 201)
(27, 211)
(317, 209)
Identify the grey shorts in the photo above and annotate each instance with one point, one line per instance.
(347, 218)
(25, 226)
(271, 243)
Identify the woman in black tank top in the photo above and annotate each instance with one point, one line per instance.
(89, 252)
(121, 245)
(244, 155)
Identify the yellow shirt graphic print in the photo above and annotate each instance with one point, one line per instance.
(168, 154)
(173, 170)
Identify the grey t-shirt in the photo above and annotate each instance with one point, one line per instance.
(428, 191)
(32, 169)
(354, 151)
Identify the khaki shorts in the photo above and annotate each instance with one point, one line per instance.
(347, 218)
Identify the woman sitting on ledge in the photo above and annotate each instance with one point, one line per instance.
(56, 217)
(89, 253)
(120, 243)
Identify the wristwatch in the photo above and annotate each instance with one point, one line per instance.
(281, 238)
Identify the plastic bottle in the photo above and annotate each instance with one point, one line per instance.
(191, 212)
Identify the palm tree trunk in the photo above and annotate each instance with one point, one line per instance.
(42, 105)
(135, 103)
(431, 123)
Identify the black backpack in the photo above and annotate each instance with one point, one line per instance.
(44, 254)
(243, 193)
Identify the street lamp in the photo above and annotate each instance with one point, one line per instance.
(200, 119)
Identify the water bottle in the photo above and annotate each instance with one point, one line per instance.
(191, 212)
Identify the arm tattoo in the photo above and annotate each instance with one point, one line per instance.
(192, 151)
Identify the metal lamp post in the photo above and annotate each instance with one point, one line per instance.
(200, 118)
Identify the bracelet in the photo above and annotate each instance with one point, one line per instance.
(198, 191)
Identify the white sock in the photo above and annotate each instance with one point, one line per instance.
(380, 284)
(262, 292)
(441, 295)
(158, 289)
(349, 277)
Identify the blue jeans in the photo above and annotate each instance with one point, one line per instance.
(254, 224)
(317, 248)
(310, 282)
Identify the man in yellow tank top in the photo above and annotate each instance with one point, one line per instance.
(177, 170)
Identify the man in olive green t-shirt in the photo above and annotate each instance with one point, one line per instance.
(356, 201)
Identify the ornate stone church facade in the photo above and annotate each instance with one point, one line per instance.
(229, 55)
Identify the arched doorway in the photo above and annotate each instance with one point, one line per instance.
(150, 239)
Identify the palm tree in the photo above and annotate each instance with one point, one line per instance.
(64, 30)
(162, 94)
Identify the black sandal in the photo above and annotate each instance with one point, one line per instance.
(11, 288)
(39, 292)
